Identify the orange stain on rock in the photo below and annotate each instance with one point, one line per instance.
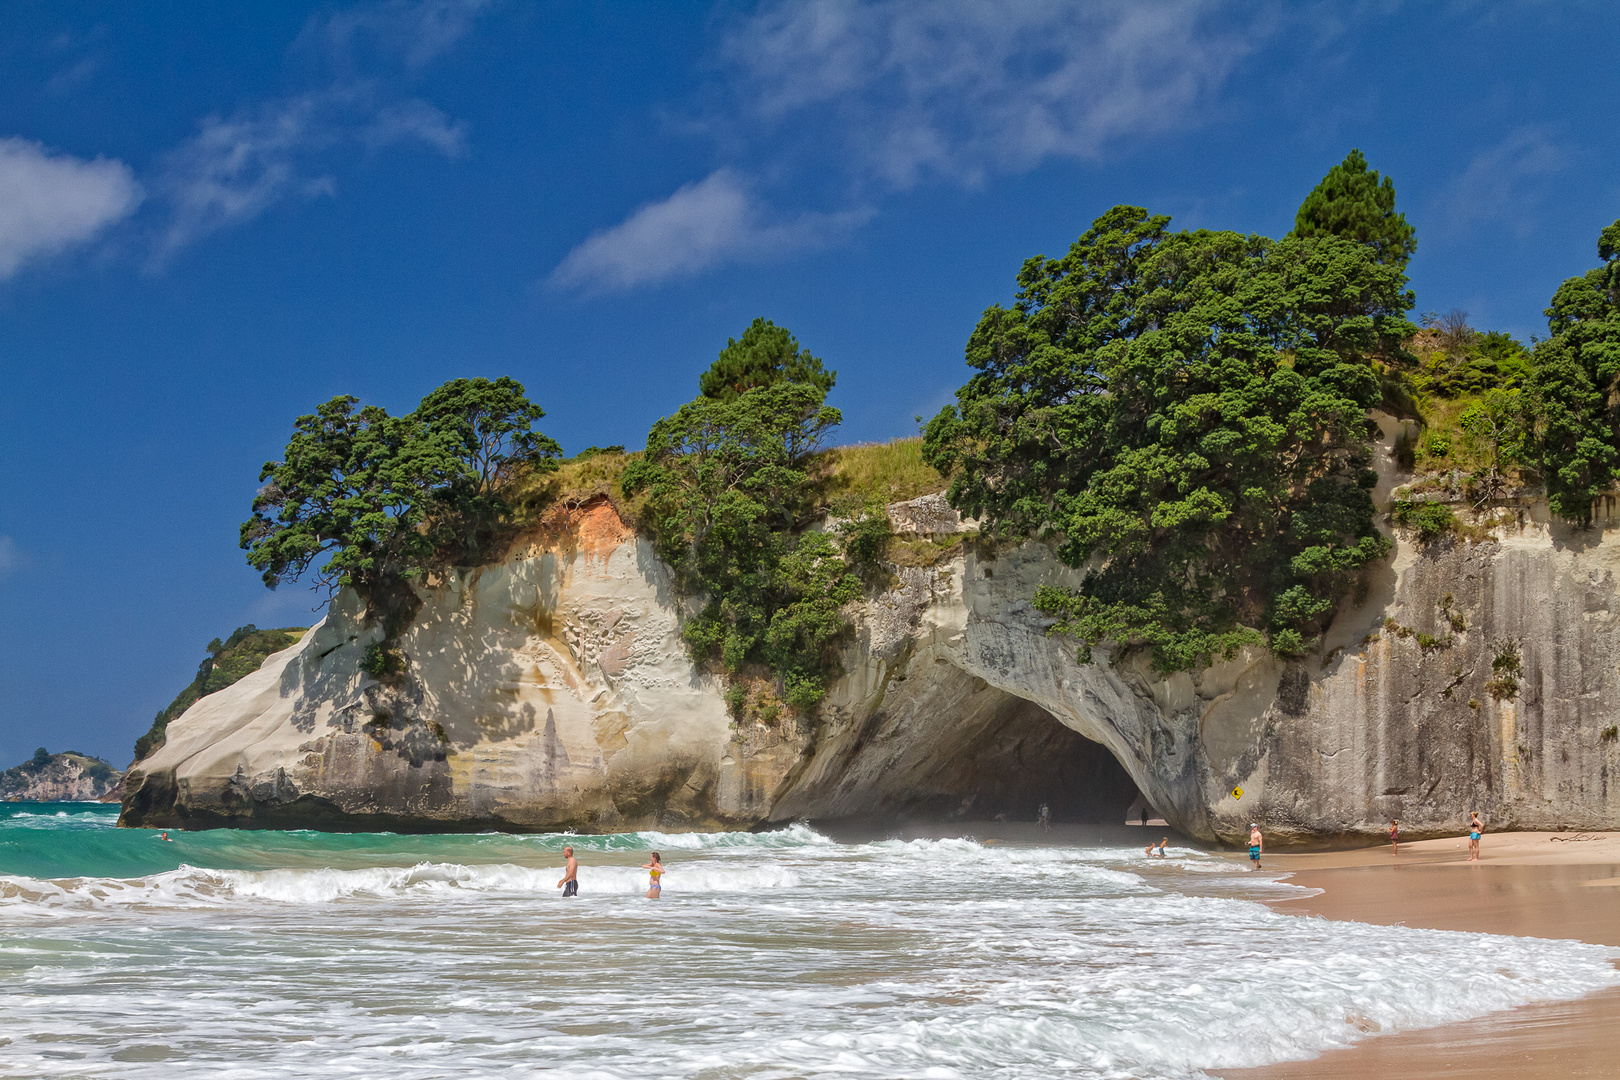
(592, 528)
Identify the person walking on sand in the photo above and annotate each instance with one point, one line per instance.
(1475, 827)
(1394, 836)
(1043, 816)
(570, 879)
(655, 868)
(1256, 844)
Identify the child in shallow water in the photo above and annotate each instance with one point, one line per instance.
(655, 868)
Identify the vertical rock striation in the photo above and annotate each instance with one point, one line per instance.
(553, 692)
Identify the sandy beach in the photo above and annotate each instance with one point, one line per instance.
(1553, 885)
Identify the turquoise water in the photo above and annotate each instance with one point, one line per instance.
(56, 840)
(769, 957)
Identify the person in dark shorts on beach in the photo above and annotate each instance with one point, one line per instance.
(570, 879)
(1256, 844)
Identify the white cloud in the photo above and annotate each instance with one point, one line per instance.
(417, 32)
(924, 89)
(1501, 183)
(416, 119)
(236, 167)
(711, 222)
(52, 202)
(893, 93)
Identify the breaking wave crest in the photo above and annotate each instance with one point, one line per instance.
(192, 886)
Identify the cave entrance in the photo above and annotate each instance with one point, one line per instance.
(1010, 756)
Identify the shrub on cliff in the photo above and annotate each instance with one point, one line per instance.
(1430, 520)
(384, 499)
(1187, 412)
(728, 489)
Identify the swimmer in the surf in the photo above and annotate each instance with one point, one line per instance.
(570, 879)
(655, 868)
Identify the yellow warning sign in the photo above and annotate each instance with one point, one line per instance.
(1237, 793)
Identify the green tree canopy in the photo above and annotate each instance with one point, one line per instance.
(487, 428)
(766, 355)
(373, 501)
(727, 491)
(1575, 386)
(1352, 203)
(1188, 410)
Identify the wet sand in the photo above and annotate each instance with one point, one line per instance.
(1527, 884)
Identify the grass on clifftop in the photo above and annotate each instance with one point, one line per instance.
(871, 474)
(850, 478)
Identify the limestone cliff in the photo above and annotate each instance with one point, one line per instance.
(552, 691)
(66, 777)
(549, 692)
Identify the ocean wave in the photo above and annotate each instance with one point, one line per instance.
(794, 836)
(193, 886)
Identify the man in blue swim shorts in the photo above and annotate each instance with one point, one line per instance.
(1255, 845)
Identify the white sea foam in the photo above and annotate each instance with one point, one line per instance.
(192, 886)
(768, 959)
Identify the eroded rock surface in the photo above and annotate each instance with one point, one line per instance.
(553, 692)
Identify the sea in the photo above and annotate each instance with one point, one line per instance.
(775, 955)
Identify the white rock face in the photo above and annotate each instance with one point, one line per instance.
(553, 691)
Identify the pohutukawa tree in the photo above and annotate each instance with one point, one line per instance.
(1575, 386)
(374, 502)
(1186, 413)
(728, 493)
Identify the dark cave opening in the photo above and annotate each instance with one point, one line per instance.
(1021, 757)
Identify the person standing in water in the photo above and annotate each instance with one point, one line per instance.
(1256, 844)
(1475, 827)
(1395, 837)
(655, 868)
(570, 879)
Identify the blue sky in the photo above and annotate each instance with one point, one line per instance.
(209, 225)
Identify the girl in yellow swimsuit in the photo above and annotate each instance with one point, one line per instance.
(655, 868)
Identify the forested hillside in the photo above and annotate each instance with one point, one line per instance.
(226, 662)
